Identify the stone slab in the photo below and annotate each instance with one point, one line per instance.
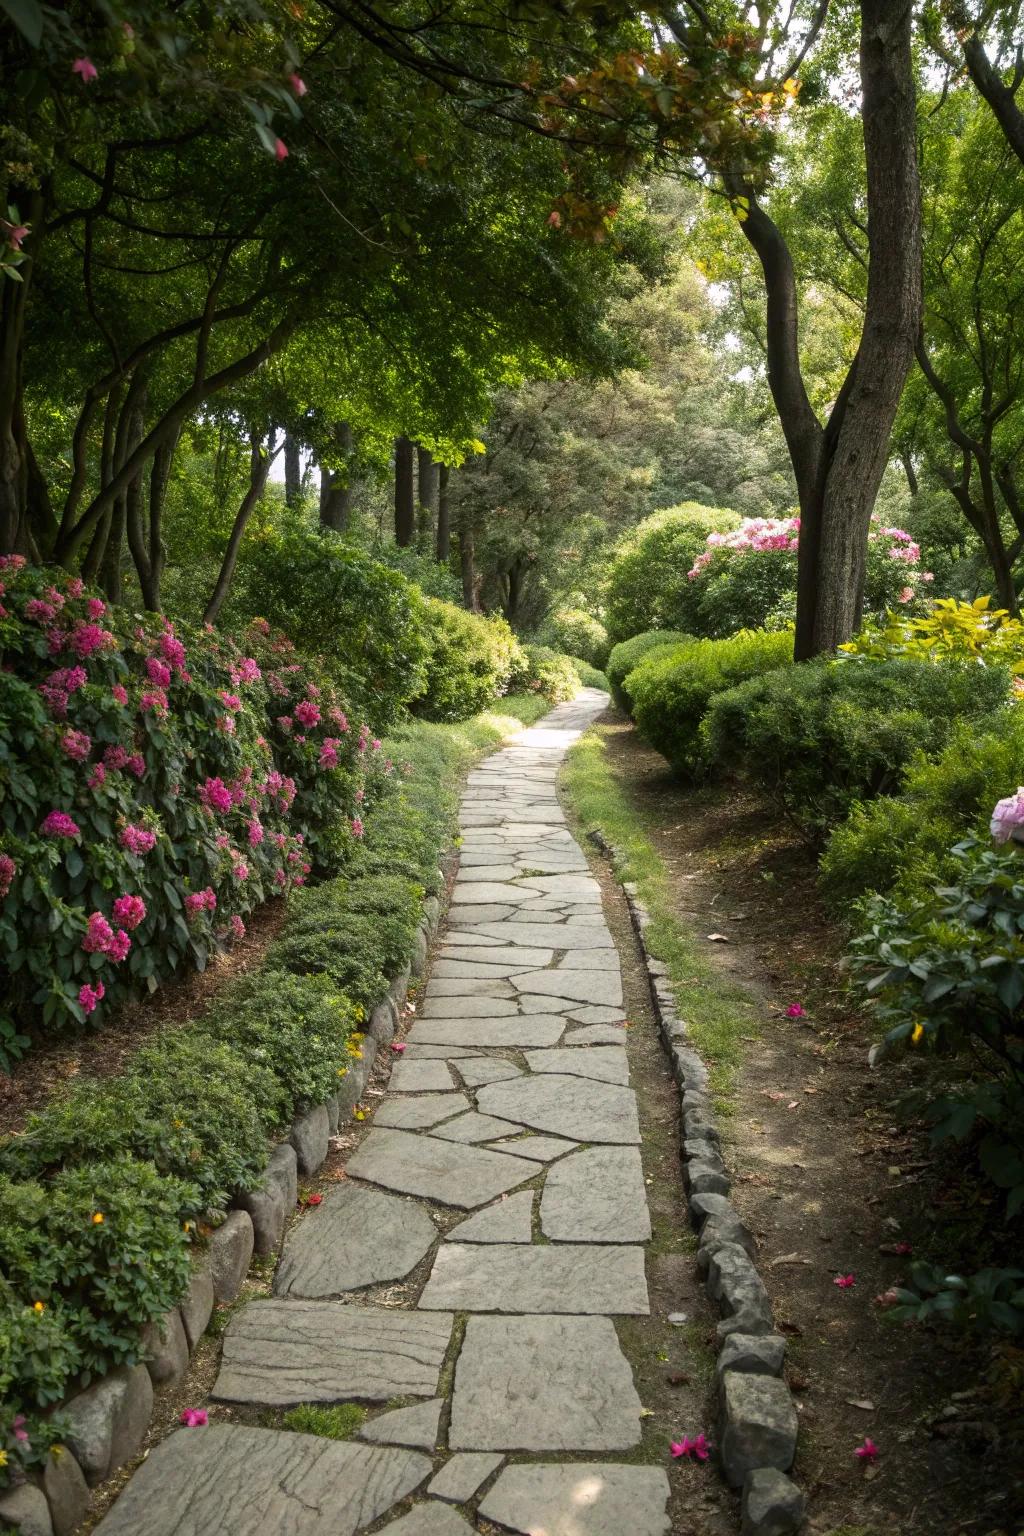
(532, 1002)
(604, 1063)
(475, 1071)
(462, 1474)
(498, 954)
(437, 1170)
(580, 1499)
(542, 1148)
(596, 1014)
(570, 935)
(356, 1237)
(486, 893)
(543, 1384)
(596, 1196)
(254, 1482)
(476, 970)
(278, 1353)
(590, 986)
(473, 1006)
(448, 986)
(420, 1077)
(471, 1128)
(545, 1277)
(416, 1426)
(428, 1520)
(567, 1106)
(477, 912)
(595, 1034)
(538, 1030)
(509, 1220)
(418, 1114)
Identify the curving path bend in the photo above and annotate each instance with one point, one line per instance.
(502, 1173)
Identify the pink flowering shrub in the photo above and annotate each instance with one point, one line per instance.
(745, 578)
(152, 799)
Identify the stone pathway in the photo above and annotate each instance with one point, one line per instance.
(505, 1161)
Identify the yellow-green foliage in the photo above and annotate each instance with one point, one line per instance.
(950, 631)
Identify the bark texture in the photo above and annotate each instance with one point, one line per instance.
(405, 493)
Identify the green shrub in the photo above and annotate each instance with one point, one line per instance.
(357, 932)
(824, 735)
(546, 672)
(577, 634)
(628, 655)
(470, 662)
(648, 585)
(38, 1358)
(336, 602)
(674, 685)
(904, 844)
(590, 677)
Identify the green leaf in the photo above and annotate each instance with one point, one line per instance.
(27, 16)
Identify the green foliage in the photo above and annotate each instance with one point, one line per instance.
(823, 736)
(628, 655)
(339, 1422)
(902, 844)
(335, 601)
(356, 933)
(946, 974)
(674, 685)
(991, 1300)
(578, 634)
(589, 676)
(470, 661)
(547, 673)
(433, 578)
(949, 631)
(648, 584)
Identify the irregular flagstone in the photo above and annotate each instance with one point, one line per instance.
(448, 1052)
(278, 1353)
(596, 1196)
(481, 912)
(603, 1063)
(595, 1034)
(509, 954)
(589, 959)
(551, 935)
(416, 1426)
(580, 1499)
(475, 893)
(596, 1015)
(543, 1384)
(472, 1007)
(472, 1127)
(591, 986)
(254, 1482)
(496, 872)
(572, 887)
(530, 1002)
(437, 1170)
(544, 1148)
(420, 1077)
(538, 1278)
(477, 1070)
(429, 1520)
(356, 1237)
(419, 1114)
(462, 986)
(474, 969)
(568, 1106)
(509, 1220)
(461, 1476)
(538, 1030)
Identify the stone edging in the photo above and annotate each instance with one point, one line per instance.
(107, 1422)
(757, 1420)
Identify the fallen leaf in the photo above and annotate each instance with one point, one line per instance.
(647, 1413)
(795, 1104)
(677, 1378)
(798, 1383)
(719, 938)
(788, 1258)
(791, 1328)
(861, 1402)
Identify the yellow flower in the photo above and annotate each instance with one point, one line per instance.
(3, 1458)
(343, 1071)
(918, 1032)
(97, 1218)
(187, 1226)
(39, 1306)
(360, 1114)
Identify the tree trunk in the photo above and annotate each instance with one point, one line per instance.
(15, 534)
(426, 482)
(405, 500)
(514, 591)
(443, 542)
(989, 83)
(259, 468)
(292, 471)
(467, 562)
(336, 484)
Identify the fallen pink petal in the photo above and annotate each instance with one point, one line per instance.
(398, 1046)
(194, 1418)
(795, 1011)
(868, 1452)
(844, 1282)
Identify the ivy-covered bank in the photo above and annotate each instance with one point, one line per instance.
(111, 1192)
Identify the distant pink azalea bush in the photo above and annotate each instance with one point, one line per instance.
(135, 820)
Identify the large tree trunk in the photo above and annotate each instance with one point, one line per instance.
(336, 484)
(426, 483)
(467, 562)
(443, 542)
(292, 471)
(260, 461)
(15, 532)
(405, 496)
(989, 83)
(839, 468)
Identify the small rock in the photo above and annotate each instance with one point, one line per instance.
(724, 1227)
(166, 1348)
(420, 951)
(26, 1509)
(733, 1281)
(702, 1151)
(706, 1179)
(772, 1504)
(108, 1421)
(688, 1068)
(231, 1249)
(399, 988)
(196, 1307)
(759, 1425)
(333, 1110)
(309, 1136)
(382, 1022)
(351, 1089)
(269, 1207)
(66, 1490)
(432, 912)
(698, 1125)
(677, 1319)
(761, 1354)
(703, 1206)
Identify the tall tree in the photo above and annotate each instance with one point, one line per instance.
(405, 493)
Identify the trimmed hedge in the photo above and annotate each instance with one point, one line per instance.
(470, 662)
(548, 673)
(578, 634)
(673, 687)
(648, 585)
(628, 654)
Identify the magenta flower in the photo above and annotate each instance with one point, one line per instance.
(88, 996)
(158, 671)
(60, 824)
(194, 1418)
(40, 611)
(18, 1429)
(794, 1011)
(216, 795)
(87, 638)
(76, 745)
(119, 694)
(154, 699)
(297, 84)
(97, 777)
(398, 1046)
(138, 840)
(237, 927)
(280, 149)
(868, 1452)
(8, 870)
(85, 69)
(200, 901)
(98, 935)
(357, 826)
(1007, 816)
(697, 1447)
(256, 834)
(16, 233)
(307, 713)
(129, 911)
(844, 1282)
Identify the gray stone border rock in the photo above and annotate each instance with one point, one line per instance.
(108, 1421)
(757, 1420)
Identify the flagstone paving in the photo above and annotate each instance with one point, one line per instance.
(499, 1199)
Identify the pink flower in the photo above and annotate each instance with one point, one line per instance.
(200, 901)
(194, 1418)
(8, 870)
(844, 1282)
(156, 700)
(88, 996)
(241, 870)
(868, 1452)
(307, 713)
(280, 878)
(76, 745)
(172, 649)
(902, 1248)
(1007, 816)
(285, 722)
(887, 1299)
(357, 826)
(398, 1046)
(138, 840)
(18, 1429)
(98, 776)
(231, 701)
(216, 795)
(59, 824)
(698, 1447)
(280, 149)
(360, 796)
(129, 911)
(85, 69)
(226, 723)
(297, 84)
(15, 235)
(42, 612)
(794, 1011)
(247, 671)
(237, 926)
(119, 694)
(256, 834)
(98, 935)
(75, 587)
(96, 607)
(136, 764)
(158, 671)
(119, 946)
(907, 595)
(87, 638)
